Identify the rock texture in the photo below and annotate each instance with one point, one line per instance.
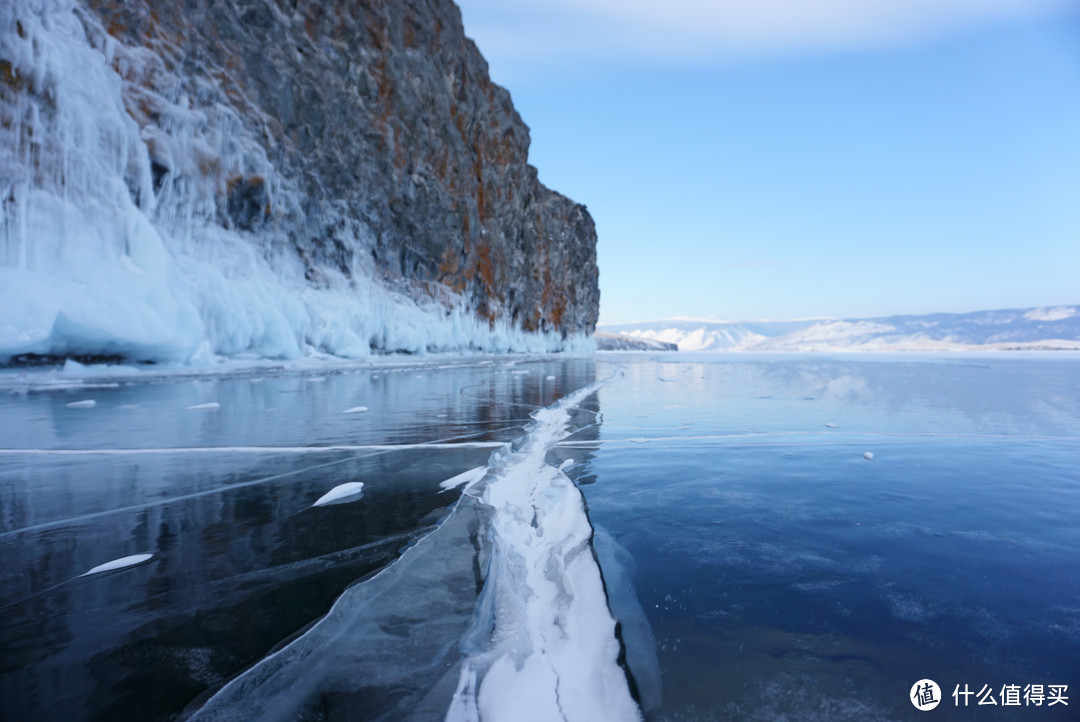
(271, 178)
(381, 113)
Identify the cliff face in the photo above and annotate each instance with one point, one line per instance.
(345, 143)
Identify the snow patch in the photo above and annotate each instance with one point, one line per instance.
(1059, 313)
(341, 493)
(121, 563)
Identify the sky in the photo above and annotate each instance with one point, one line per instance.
(806, 158)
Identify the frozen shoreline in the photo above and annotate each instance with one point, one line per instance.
(74, 375)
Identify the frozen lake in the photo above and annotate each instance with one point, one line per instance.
(798, 537)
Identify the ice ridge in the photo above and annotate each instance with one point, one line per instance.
(542, 645)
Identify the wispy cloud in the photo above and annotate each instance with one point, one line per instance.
(722, 29)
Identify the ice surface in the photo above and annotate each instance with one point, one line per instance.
(121, 563)
(97, 259)
(242, 482)
(550, 652)
(637, 635)
(388, 644)
(341, 493)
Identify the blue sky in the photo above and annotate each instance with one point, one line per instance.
(804, 158)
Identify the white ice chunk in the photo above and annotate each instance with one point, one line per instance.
(869, 456)
(86, 404)
(521, 372)
(549, 378)
(468, 478)
(543, 644)
(355, 410)
(830, 425)
(120, 563)
(213, 405)
(566, 465)
(341, 493)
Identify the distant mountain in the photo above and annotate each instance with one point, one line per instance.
(1031, 328)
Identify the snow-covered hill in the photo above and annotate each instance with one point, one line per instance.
(1032, 328)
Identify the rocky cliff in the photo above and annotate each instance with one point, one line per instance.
(341, 176)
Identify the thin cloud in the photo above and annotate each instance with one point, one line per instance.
(524, 30)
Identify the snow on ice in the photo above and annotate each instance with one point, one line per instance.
(543, 643)
(341, 493)
(121, 563)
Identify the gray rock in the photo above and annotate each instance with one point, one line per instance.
(381, 117)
